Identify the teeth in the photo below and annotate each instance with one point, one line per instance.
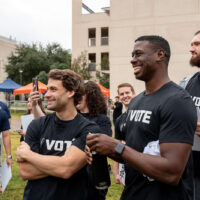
(137, 68)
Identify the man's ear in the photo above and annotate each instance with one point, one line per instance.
(160, 55)
(71, 93)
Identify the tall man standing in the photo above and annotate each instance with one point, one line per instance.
(160, 128)
(53, 159)
(192, 85)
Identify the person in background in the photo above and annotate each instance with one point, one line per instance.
(126, 93)
(192, 85)
(5, 136)
(93, 107)
(30, 111)
(4, 107)
(117, 109)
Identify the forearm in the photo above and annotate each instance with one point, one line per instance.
(115, 168)
(60, 166)
(157, 167)
(30, 172)
(7, 142)
(37, 112)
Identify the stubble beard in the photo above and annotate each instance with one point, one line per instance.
(195, 62)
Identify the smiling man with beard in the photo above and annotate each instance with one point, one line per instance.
(192, 85)
(159, 129)
(52, 157)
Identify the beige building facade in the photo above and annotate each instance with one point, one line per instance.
(176, 21)
(7, 46)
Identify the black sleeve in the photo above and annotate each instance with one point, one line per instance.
(178, 120)
(104, 124)
(120, 127)
(32, 137)
(5, 122)
(80, 141)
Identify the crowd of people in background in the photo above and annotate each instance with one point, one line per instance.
(155, 146)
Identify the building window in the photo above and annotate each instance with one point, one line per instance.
(104, 36)
(91, 37)
(105, 61)
(92, 61)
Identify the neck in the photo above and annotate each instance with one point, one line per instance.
(156, 83)
(69, 113)
(84, 110)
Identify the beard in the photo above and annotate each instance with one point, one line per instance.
(195, 62)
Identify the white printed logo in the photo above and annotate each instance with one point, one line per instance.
(140, 116)
(56, 145)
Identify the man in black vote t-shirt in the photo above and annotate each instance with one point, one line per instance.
(192, 85)
(160, 128)
(53, 159)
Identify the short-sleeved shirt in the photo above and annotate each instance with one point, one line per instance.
(168, 115)
(49, 135)
(4, 107)
(4, 123)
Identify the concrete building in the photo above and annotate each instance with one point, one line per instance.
(7, 46)
(124, 21)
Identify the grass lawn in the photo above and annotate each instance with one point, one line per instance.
(15, 188)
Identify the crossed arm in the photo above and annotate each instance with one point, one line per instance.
(35, 166)
(168, 167)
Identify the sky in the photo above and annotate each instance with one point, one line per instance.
(41, 21)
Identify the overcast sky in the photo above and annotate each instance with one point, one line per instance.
(44, 21)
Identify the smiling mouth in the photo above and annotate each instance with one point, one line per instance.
(137, 69)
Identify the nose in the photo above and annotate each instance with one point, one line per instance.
(47, 94)
(192, 49)
(133, 60)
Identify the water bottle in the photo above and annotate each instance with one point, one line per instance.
(100, 171)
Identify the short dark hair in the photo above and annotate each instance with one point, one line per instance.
(125, 85)
(198, 32)
(158, 42)
(71, 81)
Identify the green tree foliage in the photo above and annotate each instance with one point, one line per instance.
(43, 77)
(80, 66)
(35, 60)
(104, 78)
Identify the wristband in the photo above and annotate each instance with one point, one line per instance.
(9, 156)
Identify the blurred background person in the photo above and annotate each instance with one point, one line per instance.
(30, 111)
(93, 107)
(126, 93)
(117, 109)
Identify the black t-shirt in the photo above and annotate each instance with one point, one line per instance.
(49, 135)
(105, 127)
(118, 110)
(4, 123)
(102, 121)
(167, 115)
(120, 127)
(193, 87)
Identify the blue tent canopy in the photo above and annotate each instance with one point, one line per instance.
(9, 85)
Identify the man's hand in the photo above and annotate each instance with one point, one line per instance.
(9, 162)
(34, 97)
(22, 152)
(88, 154)
(118, 179)
(101, 143)
(197, 132)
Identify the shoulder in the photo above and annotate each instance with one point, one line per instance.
(185, 80)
